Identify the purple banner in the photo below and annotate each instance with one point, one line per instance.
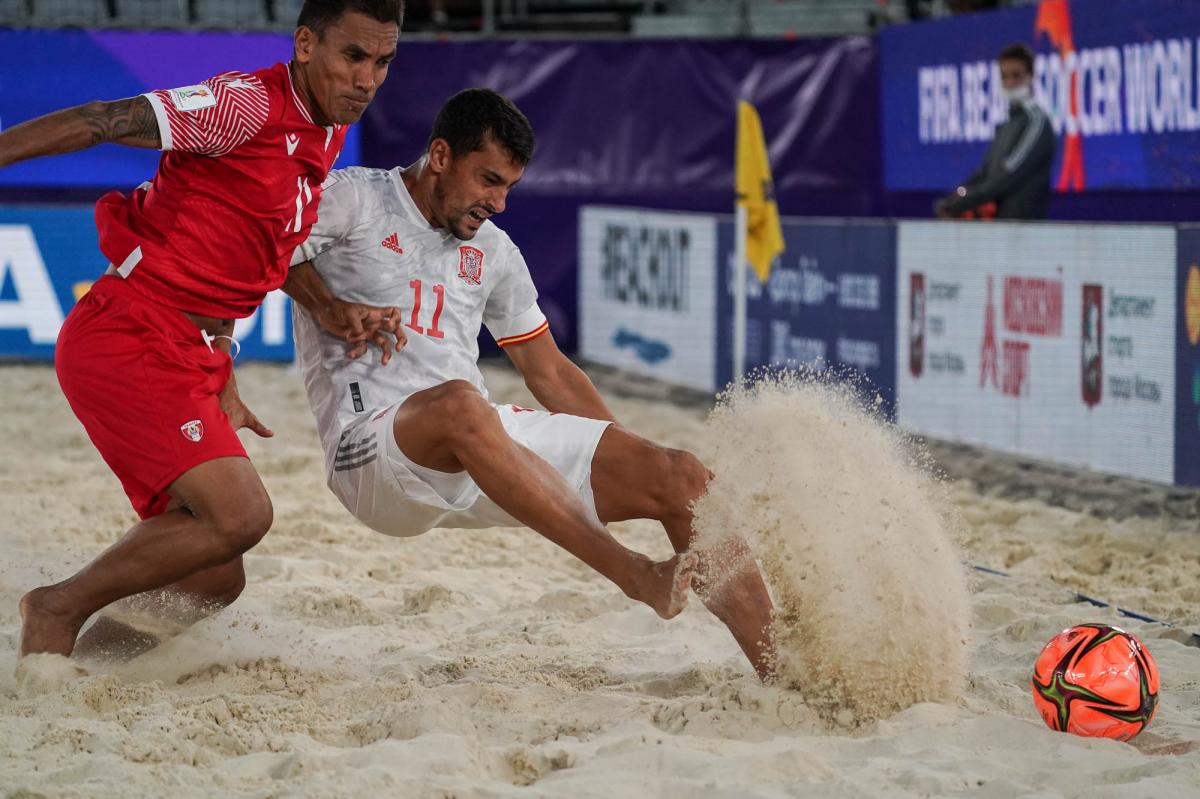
(647, 123)
(44, 71)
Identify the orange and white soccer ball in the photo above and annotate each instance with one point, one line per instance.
(1097, 681)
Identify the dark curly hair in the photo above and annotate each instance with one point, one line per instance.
(471, 116)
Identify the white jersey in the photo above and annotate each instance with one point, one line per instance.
(371, 245)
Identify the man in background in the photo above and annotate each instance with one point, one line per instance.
(1015, 174)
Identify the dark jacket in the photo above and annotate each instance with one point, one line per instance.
(1015, 174)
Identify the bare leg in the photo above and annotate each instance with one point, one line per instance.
(451, 428)
(173, 609)
(225, 512)
(633, 478)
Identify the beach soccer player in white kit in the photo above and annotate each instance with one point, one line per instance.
(416, 444)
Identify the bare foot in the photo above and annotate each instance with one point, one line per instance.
(45, 628)
(730, 585)
(664, 586)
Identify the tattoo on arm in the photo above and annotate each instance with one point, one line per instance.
(129, 118)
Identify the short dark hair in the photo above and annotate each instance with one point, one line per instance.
(471, 116)
(317, 15)
(1018, 51)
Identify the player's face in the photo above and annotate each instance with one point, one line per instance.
(473, 187)
(347, 64)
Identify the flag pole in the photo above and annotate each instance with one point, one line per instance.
(739, 291)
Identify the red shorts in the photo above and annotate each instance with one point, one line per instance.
(144, 384)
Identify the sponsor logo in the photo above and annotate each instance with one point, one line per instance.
(649, 350)
(806, 285)
(646, 265)
(1191, 305)
(1131, 306)
(470, 265)
(1033, 305)
(1196, 390)
(193, 431)
(192, 98)
(27, 298)
(859, 292)
(916, 324)
(1191, 321)
(1092, 344)
(989, 363)
(291, 141)
(392, 243)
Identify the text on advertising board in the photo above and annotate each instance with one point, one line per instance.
(646, 265)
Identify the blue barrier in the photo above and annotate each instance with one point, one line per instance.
(48, 257)
(1187, 358)
(830, 302)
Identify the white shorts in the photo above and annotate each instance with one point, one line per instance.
(388, 492)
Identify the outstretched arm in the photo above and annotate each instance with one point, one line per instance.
(130, 121)
(557, 383)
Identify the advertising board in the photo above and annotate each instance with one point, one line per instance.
(49, 258)
(1054, 341)
(647, 293)
(829, 302)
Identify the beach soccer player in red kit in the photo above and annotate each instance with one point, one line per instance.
(144, 357)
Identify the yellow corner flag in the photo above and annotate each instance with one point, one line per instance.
(755, 190)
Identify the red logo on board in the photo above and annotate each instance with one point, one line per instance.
(916, 324)
(1092, 344)
(989, 362)
(470, 265)
(1031, 306)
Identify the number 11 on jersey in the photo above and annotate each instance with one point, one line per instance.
(413, 323)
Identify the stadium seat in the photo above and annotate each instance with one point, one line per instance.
(287, 12)
(835, 18)
(13, 12)
(151, 13)
(667, 26)
(230, 13)
(54, 13)
(763, 18)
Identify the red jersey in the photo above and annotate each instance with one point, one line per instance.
(235, 193)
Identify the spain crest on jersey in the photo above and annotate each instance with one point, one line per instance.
(193, 430)
(470, 264)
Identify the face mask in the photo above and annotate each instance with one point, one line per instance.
(1018, 94)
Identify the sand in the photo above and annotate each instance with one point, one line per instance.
(489, 663)
(849, 530)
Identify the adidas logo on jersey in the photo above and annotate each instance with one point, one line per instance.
(392, 243)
